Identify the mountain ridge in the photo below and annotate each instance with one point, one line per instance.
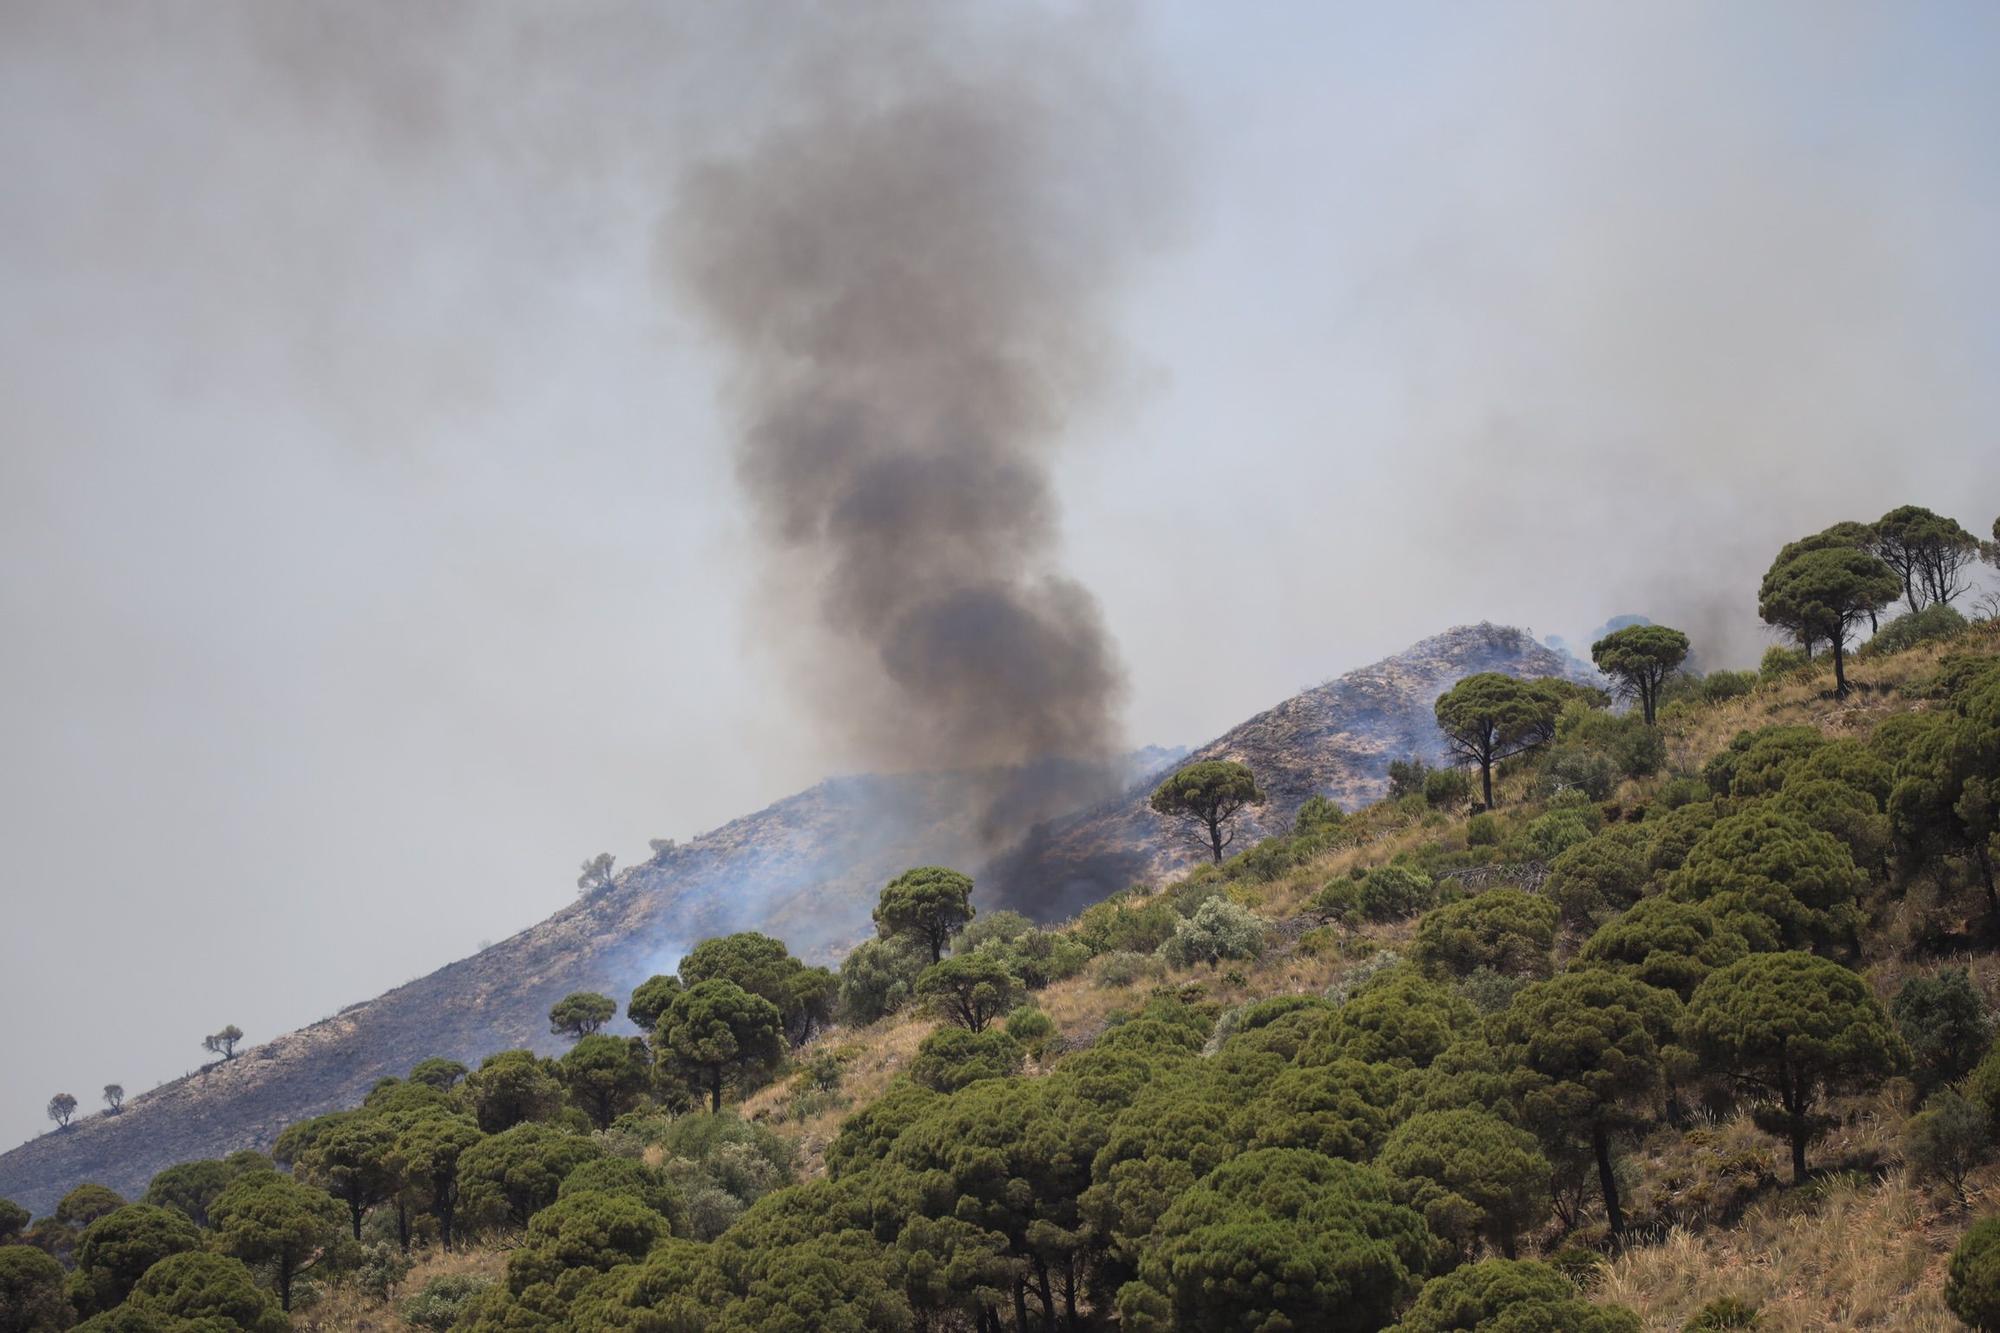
(805, 869)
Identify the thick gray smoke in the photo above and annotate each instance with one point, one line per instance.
(910, 267)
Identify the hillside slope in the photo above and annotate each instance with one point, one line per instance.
(806, 869)
(1335, 740)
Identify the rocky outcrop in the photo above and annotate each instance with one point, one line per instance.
(1335, 740)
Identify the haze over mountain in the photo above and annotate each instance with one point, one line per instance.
(373, 546)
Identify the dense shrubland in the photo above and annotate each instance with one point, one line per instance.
(1676, 1016)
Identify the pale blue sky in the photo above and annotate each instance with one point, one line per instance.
(371, 553)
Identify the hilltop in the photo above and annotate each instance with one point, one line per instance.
(806, 870)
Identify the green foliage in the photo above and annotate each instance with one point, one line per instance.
(444, 1301)
(581, 1013)
(1039, 957)
(1775, 879)
(1555, 832)
(1510, 1296)
(1206, 798)
(1032, 1027)
(1927, 552)
(1641, 659)
(441, 1074)
(1946, 800)
(633, 1179)
(189, 1188)
(1664, 943)
(1972, 1284)
(86, 1203)
(865, 1137)
(604, 1075)
(971, 990)
(1407, 778)
(197, 1291)
(804, 996)
(650, 1000)
(1385, 893)
(580, 1234)
(1757, 762)
(929, 904)
(1674, 834)
(1943, 1021)
(1930, 625)
(33, 1295)
(1778, 663)
(1127, 923)
(952, 1058)
(1506, 930)
(1790, 1028)
(1589, 1053)
(1125, 968)
(878, 978)
(1946, 1140)
(721, 1036)
(115, 1251)
(1847, 813)
(1447, 788)
(430, 1150)
(1338, 1110)
(511, 1088)
(1721, 1314)
(1482, 830)
(1820, 595)
(507, 1178)
(1318, 818)
(1397, 1017)
(1280, 1234)
(1218, 929)
(1600, 877)
(270, 1220)
(1470, 1174)
(1489, 717)
(354, 1161)
(14, 1220)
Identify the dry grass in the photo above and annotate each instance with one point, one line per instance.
(1868, 1257)
(1862, 1256)
(345, 1310)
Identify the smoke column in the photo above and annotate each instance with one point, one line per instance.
(910, 270)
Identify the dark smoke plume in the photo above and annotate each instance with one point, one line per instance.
(910, 270)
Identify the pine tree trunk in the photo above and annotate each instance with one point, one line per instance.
(1600, 1143)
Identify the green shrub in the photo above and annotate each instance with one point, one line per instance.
(952, 1058)
(1779, 663)
(1723, 1313)
(1503, 929)
(1946, 1140)
(1935, 622)
(1447, 788)
(1972, 1285)
(1032, 1027)
(443, 1299)
(1124, 967)
(1556, 832)
(1482, 830)
(1218, 929)
(1127, 922)
(1943, 1021)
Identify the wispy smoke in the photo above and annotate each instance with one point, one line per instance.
(910, 268)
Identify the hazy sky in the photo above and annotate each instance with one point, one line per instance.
(370, 547)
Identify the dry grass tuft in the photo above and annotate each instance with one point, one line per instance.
(1867, 1257)
(345, 1310)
